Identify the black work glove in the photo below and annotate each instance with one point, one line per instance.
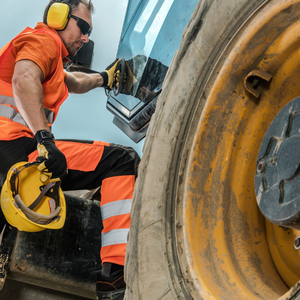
(53, 162)
(111, 76)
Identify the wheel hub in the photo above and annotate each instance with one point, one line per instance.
(289, 158)
(277, 179)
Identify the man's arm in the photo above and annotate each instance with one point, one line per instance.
(28, 94)
(79, 83)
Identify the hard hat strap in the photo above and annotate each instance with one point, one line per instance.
(36, 217)
(37, 201)
(50, 190)
(15, 176)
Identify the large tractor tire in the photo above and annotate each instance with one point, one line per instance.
(197, 231)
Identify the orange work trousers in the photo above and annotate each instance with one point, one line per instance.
(92, 164)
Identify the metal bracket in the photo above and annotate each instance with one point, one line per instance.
(253, 80)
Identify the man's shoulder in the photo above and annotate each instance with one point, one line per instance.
(39, 46)
(39, 38)
(42, 30)
(41, 33)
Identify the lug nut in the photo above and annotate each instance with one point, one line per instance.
(261, 167)
(297, 243)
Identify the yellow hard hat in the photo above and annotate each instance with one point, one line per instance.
(29, 204)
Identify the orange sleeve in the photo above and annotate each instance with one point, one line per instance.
(39, 48)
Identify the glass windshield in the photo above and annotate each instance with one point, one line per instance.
(150, 37)
(131, 9)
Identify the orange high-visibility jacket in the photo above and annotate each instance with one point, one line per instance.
(12, 125)
(55, 92)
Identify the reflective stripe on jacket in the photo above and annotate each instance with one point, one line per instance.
(55, 92)
(7, 110)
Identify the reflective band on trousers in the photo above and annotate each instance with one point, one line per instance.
(114, 237)
(10, 113)
(115, 208)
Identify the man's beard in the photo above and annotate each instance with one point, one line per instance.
(72, 51)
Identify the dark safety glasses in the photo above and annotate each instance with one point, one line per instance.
(83, 25)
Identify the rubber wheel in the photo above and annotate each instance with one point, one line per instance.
(190, 237)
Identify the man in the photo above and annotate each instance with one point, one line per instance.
(33, 85)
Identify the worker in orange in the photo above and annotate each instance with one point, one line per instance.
(33, 85)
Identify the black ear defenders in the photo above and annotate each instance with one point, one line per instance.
(58, 15)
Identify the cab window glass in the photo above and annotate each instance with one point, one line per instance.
(148, 26)
(152, 36)
(131, 8)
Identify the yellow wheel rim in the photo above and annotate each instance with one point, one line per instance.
(224, 244)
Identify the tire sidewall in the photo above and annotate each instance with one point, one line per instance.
(152, 251)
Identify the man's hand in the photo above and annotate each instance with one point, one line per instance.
(53, 162)
(111, 76)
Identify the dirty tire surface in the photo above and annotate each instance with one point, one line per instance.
(152, 268)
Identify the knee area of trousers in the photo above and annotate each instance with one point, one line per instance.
(134, 156)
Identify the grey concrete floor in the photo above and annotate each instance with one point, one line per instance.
(14, 290)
